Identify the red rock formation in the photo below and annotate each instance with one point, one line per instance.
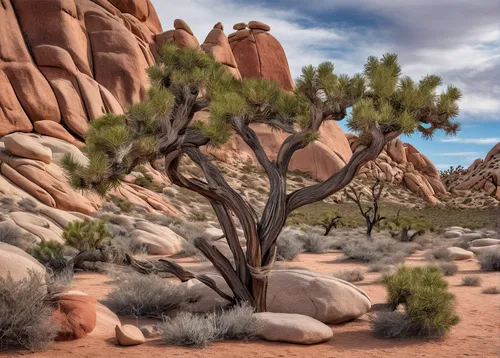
(182, 35)
(259, 55)
(77, 60)
(217, 44)
(76, 315)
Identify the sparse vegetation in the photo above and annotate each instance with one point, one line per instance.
(329, 221)
(47, 251)
(288, 246)
(492, 290)
(429, 309)
(448, 268)
(28, 205)
(314, 243)
(13, 235)
(490, 261)
(188, 329)
(386, 251)
(147, 296)
(25, 314)
(354, 275)
(440, 254)
(471, 281)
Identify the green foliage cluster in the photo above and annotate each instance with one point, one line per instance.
(46, 251)
(87, 234)
(429, 306)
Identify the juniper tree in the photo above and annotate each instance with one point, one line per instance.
(184, 82)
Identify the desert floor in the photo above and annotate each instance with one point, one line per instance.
(477, 335)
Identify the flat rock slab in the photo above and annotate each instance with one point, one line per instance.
(291, 328)
(457, 254)
(485, 242)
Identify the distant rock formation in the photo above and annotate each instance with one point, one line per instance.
(481, 175)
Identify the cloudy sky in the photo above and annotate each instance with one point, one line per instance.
(456, 39)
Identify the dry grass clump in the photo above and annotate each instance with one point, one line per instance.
(354, 275)
(448, 268)
(13, 235)
(147, 296)
(188, 329)
(471, 281)
(25, 314)
(386, 251)
(440, 254)
(492, 290)
(429, 308)
(490, 261)
(288, 246)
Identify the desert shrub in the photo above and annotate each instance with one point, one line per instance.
(188, 329)
(47, 251)
(122, 204)
(492, 290)
(387, 251)
(380, 267)
(490, 261)
(440, 254)
(25, 314)
(429, 308)
(147, 296)
(355, 275)
(198, 216)
(58, 281)
(471, 281)
(462, 244)
(288, 246)
(314, 243)
(87, 234)
(12, 235)
(448, 268)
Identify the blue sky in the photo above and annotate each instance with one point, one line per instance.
(458, 40)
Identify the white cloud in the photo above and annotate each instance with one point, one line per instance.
(472, 140)
(457, 154)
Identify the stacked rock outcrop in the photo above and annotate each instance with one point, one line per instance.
(482, 174)
(259, 55)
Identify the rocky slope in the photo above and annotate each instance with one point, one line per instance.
(483, 174)
(85, 59)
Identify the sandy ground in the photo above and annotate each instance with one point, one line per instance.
(477, 335)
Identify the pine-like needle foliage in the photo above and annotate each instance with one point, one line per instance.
(397, 103)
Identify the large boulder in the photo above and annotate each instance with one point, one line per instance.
(106, 321)
(76, 314)
(291, 328)
(485, 242)
(457, 253)
(327, 299)
(217, 44)
(26, 147)
(260, 55)
(17, 263)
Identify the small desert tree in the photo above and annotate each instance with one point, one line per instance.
(187, 81)
(371, 215)
(329, 220)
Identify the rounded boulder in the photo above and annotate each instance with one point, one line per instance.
(129, 335)
(76, 314)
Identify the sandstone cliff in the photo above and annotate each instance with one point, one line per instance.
(64, 63)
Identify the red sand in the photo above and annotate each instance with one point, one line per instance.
(478, 333)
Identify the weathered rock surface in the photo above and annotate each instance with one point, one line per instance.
(18, 263)
(292, 328)
(106, 321)
(259, 55)
(457, 253)
(76, 314)
(481, 175)
(217, 44)
(485, 242)
(327, 299)
(128, 335)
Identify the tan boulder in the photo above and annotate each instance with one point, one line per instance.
(154, 244)
(291, 328)
(23, 146)
(258, 25)
(240, 26)
(129, 335)
(106, 321)
(396, 151)
(485, 242)
(55, 130)
(457, 253)
(39, 226)
(18, 263)
(484, 249)
(327, 299)
(217, 44)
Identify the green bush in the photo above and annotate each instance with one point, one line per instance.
(429, 307)
(86, 235)
(46, 251)
(25, 314)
